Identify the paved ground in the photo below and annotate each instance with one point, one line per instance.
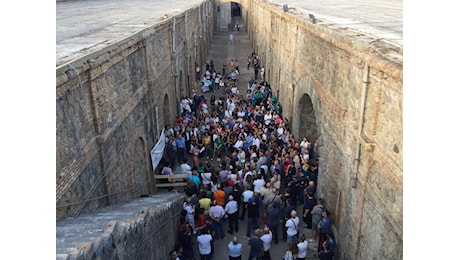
(87, 25)
(382, 19)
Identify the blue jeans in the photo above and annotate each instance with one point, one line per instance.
(218, 227)
(252, 222)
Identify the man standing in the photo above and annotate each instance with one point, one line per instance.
(273, 220)
(292, 225)
(230, 38)
(204, 244)
(234, 249)
(231, 208)
(256, 246)
(217, 213)
(253, 215)
(180, 145)
(247, 194)
(237, 195)
(287, 215)
(267, 241)
(308, 205)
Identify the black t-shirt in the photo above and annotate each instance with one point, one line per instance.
(191, 190)
(256, 246)
(309, 203)
(287, 211)
(325, 255)
(236, 195)
(253, 210)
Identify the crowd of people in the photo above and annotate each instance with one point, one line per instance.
(244, 166)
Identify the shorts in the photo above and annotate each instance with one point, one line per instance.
(314, 226)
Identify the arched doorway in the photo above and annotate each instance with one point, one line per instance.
(166, 111)
(140, 172)
(236, 9)
(307, 119)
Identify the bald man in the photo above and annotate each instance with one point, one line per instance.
(234, 249)
(231, 208)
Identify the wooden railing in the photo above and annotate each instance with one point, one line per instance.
(170, 184)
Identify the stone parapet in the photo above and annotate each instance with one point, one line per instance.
(128, 231)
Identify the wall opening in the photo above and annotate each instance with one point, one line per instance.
(307, 119)
(139, 167)
(236, 9)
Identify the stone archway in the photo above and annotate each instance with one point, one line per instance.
(307, 119)
(236, 9)
(167, 111)
(139, 168)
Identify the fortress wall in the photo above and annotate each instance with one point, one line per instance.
(112, 104)
(355, 84)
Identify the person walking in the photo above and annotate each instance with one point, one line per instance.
(234, 249)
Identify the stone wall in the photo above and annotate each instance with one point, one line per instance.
(134, 231)
(111, 106)
(354, 84)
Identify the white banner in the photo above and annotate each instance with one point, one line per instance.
(157, 152)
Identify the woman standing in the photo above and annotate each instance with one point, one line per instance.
(302, 247)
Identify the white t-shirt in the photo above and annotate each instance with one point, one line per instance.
(206, 177)
(268, 118)
(238, 144)
(204, 108)
(303, 247)
(204, 243)
(292, 225)
(259, 183)
(186, 168)
(267, 240)
(247, 194)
